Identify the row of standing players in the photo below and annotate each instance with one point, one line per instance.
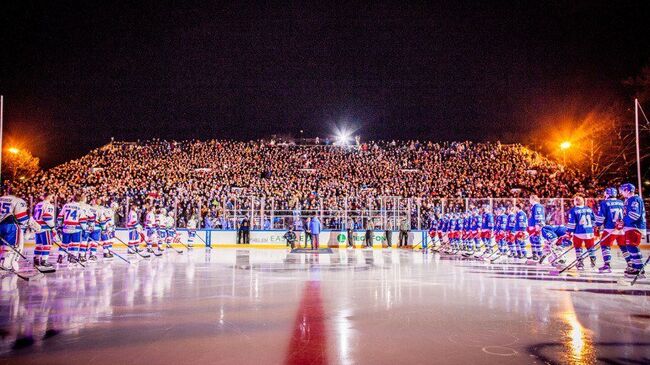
(79, 229)
(616, 221)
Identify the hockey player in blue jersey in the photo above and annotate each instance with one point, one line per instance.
(536, 220)
(581, 229)
(556, 236)
(634, 225)
(487, 228)
(500, 230)
(610, 218)
(515, 251)
(521, 234)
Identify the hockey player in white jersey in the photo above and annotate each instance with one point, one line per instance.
(43, 215)
(151, 229)
(161, 223)
(13, 220)
(171, 227)
(93, 211)
(192, 224)
(132, 226)
(72, 221)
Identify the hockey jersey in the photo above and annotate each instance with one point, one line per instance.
(512, 222)
(474, 223)
(132, 220)
(521, 221)
(501, 223)
(537, 215)
(488, 221)
(43, 214)
(634, 214)
(610, 211)
(581, 222)
(72, 218)
(12, 207)
(150, 220)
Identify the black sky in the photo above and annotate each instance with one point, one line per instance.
(76, 74)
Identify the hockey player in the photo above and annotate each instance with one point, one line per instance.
(170, 225)
(43, 214)
(556, 236)
(536, 220)
(13, 220)
(466, 234)
(487, 228)
(500, 230)
(72, 221)
(132, 226)
(161, 222)
(93, 212)
(610, 218)
(475, 231)
(151, 229)
(580, 228)
(515, 252)
(634, 226)
(521, 234)
(107, 227)
(192, 224)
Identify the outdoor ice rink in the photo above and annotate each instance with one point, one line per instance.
(268, 306)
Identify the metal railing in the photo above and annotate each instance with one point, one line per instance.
(380, 213)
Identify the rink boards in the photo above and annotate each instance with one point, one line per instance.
(274, 239)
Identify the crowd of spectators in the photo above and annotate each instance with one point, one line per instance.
(218, 178)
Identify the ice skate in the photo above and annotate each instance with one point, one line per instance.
(45, 267)
(605, 269)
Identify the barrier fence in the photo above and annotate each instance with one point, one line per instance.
(363, 212)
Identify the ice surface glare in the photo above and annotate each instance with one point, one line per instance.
(266, 306)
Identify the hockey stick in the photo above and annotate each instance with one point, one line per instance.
(130, 249)
(177, 238)
(624, 282)
(640, 271)
(68, 253)
(569, 249)
(24, 277)
(202, 240)
(172, 247)
(109, 250)
(119, 256)
(5, 243)
(578, 259)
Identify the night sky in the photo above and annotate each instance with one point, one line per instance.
(76, 74)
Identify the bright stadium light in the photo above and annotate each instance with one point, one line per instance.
(342, 137)
(13, 150)
(565, 145)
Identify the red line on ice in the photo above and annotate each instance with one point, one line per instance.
(308, 343)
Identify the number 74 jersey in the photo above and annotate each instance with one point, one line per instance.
(73, 218)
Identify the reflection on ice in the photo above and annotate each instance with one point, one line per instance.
(351, 306)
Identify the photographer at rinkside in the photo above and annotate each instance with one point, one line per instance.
(350, 232)
(404, 228)
(388, 233)
(369, 233)
(243, 234)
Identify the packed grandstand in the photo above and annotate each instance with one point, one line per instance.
(213, 177)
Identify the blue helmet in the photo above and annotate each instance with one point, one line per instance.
(611, 192)
(627, 187)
